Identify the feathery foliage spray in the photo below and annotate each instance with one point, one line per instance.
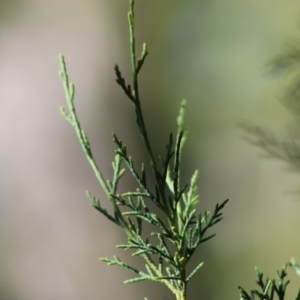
(182, 227)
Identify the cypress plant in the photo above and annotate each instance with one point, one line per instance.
(182, 229)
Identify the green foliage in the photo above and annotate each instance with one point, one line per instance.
(285, 148)
(270, 289)
(180, 232)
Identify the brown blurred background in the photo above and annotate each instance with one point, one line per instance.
(209, 52)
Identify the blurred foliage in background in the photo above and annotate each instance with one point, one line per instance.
(213, 53)
(287, 146)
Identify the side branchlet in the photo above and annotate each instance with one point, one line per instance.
(268, 289)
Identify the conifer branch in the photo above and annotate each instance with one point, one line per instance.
(179, 225)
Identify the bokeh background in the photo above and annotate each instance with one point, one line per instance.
(210, 52)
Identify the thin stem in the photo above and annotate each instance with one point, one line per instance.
(135, 93)
(72, 118)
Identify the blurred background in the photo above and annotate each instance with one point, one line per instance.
(210, 52)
